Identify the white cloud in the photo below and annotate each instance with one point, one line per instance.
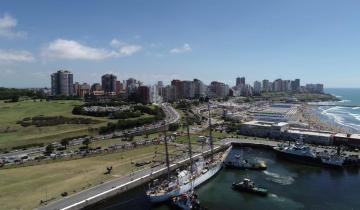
(70, 49)
(128, 50)
(185, 48)
(117, 43)
(12, 56)
(123, 48)
(7, 27)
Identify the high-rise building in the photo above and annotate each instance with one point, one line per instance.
(242, 81)
(169, 93)
(178, 88)
(62, 83)
(315, 88)
(118, 88)
(219, 89)
(155, 97)
(131, 86)
(277, 85)
(237, 81)
(199, 88)
(286, 85)
(108, 83)
(188, 89)
(265, 85)
(297, 85)
(144, 94)
(257, 88)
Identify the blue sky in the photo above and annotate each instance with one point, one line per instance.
(315, 40)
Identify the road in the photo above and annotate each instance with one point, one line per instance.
(80, 199)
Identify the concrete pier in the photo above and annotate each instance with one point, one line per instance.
(109, 189)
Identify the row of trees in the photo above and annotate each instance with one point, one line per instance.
(42, 121)
(126, 124)
(13, 93)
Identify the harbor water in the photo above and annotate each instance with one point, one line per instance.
(290, 185)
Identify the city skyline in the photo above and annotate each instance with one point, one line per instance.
(282, 39)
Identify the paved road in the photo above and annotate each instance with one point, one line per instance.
(80, 199)
(91, 192)
(119, 182)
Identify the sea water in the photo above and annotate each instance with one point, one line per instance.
(340, 115)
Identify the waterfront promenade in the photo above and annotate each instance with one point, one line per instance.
(117, 186)
(122, 184)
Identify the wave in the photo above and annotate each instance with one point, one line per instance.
(356, 116)
(344, 101)
(343, 116)
(331, 115)
(277, 178)
(356, 108)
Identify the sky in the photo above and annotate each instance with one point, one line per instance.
(317, 41)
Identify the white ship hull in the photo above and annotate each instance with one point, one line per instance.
(185, 188)
(188, 186)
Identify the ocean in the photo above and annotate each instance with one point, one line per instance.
(346, 117)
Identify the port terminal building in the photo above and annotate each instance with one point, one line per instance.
(276, 113)
(287, 132)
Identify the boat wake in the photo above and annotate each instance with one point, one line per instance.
(276, 197)
(277, 178)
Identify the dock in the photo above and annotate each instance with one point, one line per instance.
(120, 185)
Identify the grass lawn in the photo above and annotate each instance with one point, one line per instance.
(35, 183)
(12, 134)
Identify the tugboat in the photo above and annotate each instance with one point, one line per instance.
(187, 201)
(245, 164)
(249, 186)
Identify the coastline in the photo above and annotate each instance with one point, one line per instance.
(319, 122)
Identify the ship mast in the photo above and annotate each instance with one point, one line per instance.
(210, 134)
(166, 153)
(189, 143)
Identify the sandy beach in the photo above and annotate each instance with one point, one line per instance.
(306, 114)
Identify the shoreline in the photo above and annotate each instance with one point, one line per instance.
(318, 122)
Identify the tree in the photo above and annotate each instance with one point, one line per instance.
(49, 149)
(173, 127)
(86, 142)
(65, 142)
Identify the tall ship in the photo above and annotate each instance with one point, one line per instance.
(197, 173)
